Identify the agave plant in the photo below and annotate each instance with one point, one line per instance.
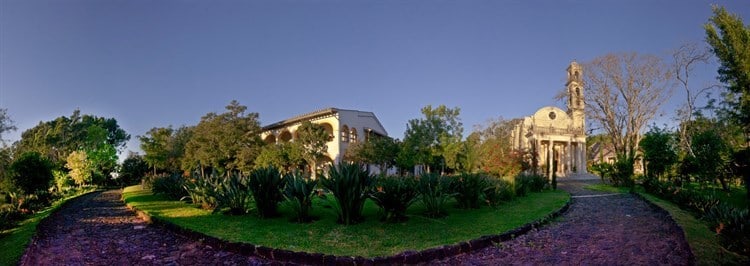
(298, 194)
(202, 191)
(394, 194)
(349, 184)
(266, 184)
(468, 189)
(233, 193)
(435, 192)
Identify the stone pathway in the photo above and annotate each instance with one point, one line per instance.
(599, 229)
(97, 229)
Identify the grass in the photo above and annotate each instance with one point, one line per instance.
(737, 195)
(371, 238)
(704, 243)
(13, 242)
(607, 188)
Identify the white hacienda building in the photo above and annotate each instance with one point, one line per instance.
(344, 127)
(558, 137)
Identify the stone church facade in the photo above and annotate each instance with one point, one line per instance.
(556, 136)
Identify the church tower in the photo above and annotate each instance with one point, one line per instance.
(575, 96)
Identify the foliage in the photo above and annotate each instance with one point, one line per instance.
(6, 124)
(266, 185)
(233, 192)
(202, 190)
(224, 142)
(394, 194)
(299, 192)
(132, 170)
(58, 138)
(81, 169)
(432, 140)
(165, 147)
(603, 169)
(497, 155)
(659, 151)
(101, 155)
(622, 176)
(313, 138)
(371, 238)
(170, 185)
(468, 189)
(712, 155)
(349, 184)
(9, 216)
(286, 156)
(733, 225)
(729, 39)
(31, 172)
(525, 183)
(497, 192)
(380, 151)
(62, 180)
(434, 191)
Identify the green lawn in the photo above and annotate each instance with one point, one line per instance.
(703, 242)
(369, 239)
(13, 241)
(737, 195)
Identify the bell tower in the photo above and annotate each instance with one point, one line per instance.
(575, 95)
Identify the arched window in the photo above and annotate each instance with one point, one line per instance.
(353, 135)
(285, 136)
(344, 133)
(270, 139)
(578, 91)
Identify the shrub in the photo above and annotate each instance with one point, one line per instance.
(233, 192)
(31, 172)
(171, 186)
(349, 184)
(525, 183)
(394, 194)
(202, 191)
(9, 216)
(498, 191)
(733, 225)
(298, 193)
(266, 184)
(434, 191)
(623, 172)
(468, 189)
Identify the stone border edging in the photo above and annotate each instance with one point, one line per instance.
(659, 209)
(301, 257)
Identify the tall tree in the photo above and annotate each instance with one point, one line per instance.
(497, 154)
(31, 172)
(625, 92)
(434, 139)
(686, 58)
(6, 124)
(659, 151)
(165, 147)
(56, 139)
(729, 39)
(132, 169)
(380, 151)
(313, 138)
(81, 169)
(224, 142)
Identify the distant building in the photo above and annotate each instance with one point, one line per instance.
(558, 137)
(343, 126)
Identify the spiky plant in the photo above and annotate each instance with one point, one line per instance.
(266, 184)
(394, 194)
(298, 194)
(349, 184)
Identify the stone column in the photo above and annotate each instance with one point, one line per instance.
(550, 157)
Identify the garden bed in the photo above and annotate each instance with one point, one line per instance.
(370, 238)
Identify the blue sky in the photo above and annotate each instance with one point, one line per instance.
(159, 63)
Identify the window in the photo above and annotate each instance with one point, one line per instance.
(353, 135)
(344, 133)
(552, 115)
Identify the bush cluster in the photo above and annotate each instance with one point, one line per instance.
(349, 184)
(732, 224)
